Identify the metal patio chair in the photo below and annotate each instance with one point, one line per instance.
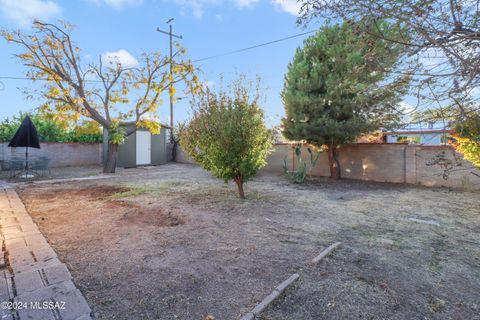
(41, 166)
(16, 165)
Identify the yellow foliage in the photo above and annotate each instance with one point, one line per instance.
(53, 77)
(88, 127)
(53, 92)
(469, 148)
(8, 36)
(178, 69)
(152, 126)
(172, 91)
(115, 98)
(152, 107)
(78, 100)
(26, 56)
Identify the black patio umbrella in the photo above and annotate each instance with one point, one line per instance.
(26, 136)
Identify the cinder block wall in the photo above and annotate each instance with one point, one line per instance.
(451, 165)
(182, 157)
(60, 154)
(398, 163)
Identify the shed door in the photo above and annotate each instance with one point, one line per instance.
(144, 143)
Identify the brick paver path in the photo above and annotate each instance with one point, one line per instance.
(34, 284)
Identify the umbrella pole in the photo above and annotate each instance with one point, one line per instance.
(26, 162)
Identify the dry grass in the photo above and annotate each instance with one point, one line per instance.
(181, 245)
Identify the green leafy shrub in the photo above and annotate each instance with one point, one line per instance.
(48, 130)
(227, 135)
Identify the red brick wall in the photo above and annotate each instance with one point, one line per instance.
(60, 154)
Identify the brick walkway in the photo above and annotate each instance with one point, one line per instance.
(34, 284)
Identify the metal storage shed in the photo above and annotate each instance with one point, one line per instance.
(141, 148)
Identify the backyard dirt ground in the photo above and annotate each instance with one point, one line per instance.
(174, 243)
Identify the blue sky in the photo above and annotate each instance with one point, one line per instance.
(209, 27)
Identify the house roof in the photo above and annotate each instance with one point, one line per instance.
(433, 131)
(422, 128)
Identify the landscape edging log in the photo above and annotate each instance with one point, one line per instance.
(270, 298)
(325, 252)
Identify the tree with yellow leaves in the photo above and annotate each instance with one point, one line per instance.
(107, 93)
(467, 138)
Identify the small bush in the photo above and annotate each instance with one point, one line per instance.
(227, 135)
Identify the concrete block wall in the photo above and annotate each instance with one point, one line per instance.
(276, 159)
(182, 157)
(397, 163)
(60, 154)
(451, 170)
(410, 165)
(372, 162)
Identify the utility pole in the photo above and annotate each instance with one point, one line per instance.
(171, 35)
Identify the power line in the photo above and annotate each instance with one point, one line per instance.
(171, 35)
(254, 47)
(202, 59)
(41, 79)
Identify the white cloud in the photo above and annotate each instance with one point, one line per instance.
(290, 6)
(121, 3)
(23, 12)
(121, 56)
(245, 3)
(117, 4)
(407, 110)
(210, 84)
(91, 75)
(195, 7)
(475, 92)
(405, 107)
(432, 58)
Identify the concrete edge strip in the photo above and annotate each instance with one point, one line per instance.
(270, 298)
(13, 185)
(30, 281)
(325, 252)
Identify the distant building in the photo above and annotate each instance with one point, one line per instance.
(431, 133)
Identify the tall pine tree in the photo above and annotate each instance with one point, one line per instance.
(340, 85)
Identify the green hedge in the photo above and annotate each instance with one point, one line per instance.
(48, 130)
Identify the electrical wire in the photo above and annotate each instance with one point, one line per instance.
(203, 59)
(254, 46)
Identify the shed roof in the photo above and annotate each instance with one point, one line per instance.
(132, 123)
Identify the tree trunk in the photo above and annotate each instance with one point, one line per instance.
(111, 161)
(333, 162)
(239, 182)
(174, 151)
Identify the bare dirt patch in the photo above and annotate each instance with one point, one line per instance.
(128, 212)
(184, 246)
(137, 214)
